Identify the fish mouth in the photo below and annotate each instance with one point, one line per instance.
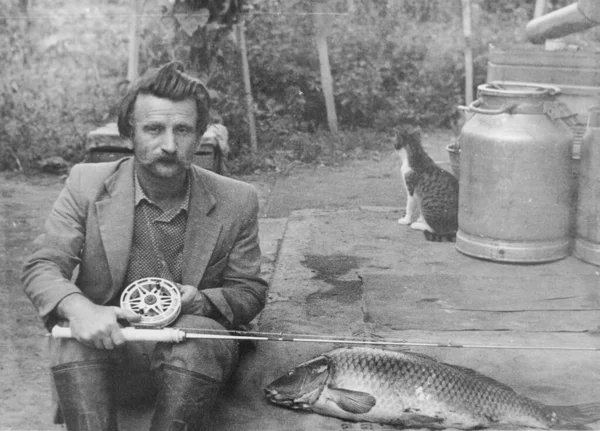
(282, 400)
(270, 393)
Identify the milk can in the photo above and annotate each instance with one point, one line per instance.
(515, 175)
(587, 241)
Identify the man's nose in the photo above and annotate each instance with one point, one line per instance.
(169, 146)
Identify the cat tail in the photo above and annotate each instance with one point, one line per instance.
(439, 237)
(575, 417)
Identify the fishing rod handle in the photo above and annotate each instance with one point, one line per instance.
(167, 335)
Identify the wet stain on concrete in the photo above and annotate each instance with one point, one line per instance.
(343, 291)
(329, 269)
(331, 266)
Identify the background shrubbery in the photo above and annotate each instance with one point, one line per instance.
(64, 62)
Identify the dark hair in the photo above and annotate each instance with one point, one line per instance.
(168, 82)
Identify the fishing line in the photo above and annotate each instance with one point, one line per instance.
(310, 338)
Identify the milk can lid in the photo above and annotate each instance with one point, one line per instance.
(518, 89)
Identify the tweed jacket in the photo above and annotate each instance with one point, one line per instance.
(88, 234)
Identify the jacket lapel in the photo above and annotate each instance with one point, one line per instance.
(115, 220)
(201, 234)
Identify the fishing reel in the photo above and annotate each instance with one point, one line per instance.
(157, 300)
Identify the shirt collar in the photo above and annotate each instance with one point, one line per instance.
(140, 195)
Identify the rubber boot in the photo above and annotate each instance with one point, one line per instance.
(85, 394)
(185, 400)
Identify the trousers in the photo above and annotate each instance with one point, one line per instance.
(137, 365)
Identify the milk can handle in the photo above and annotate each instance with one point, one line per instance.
(474, 107)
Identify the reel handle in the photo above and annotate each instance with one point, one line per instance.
(167, 335)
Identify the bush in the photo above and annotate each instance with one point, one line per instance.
(58, 81)
(392, 61)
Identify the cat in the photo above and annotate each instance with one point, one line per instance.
(430, 189)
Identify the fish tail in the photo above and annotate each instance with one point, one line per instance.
(574, 417)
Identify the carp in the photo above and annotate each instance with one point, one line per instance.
(414, 390)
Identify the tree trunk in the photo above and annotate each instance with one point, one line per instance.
(466, 9)
(326, 79)
(541, 8)
(24, 6)
(247, 86)
(134, 45)
(25, 22)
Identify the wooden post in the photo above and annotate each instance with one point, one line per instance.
(247, 85)
(24, 9)
(134, 45)
(541, 7)
(326, 79)
(466, 14)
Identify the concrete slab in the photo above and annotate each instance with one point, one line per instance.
(450, 302)
(374, 182)
(302, 300)
(358, 273)
(271, 234)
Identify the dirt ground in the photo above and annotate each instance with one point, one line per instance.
(25, 401)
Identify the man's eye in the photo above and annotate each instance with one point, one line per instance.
(183, 130)
(153, 128)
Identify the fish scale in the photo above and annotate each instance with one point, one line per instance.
(477, 397)
(394, 382)
(377, 385)
(467, 397)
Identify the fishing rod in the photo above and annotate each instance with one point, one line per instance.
(158, 302)
(178, 335)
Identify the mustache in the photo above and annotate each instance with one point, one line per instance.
(171, 160)
(168, 158)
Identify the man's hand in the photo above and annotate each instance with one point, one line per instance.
(194, 302)
(95, 325)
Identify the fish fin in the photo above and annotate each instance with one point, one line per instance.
(577, 415)
(353, 401)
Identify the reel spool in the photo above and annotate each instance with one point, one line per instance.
(157, 300)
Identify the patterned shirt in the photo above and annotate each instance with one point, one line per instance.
(158, 237)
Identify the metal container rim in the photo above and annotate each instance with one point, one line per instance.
(518, 89)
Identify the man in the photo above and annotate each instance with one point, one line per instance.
(153, 215)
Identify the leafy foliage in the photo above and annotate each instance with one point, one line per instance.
(392, 61)
(58, 79)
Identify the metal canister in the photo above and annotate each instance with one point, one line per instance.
(515, 175)
(587, 241)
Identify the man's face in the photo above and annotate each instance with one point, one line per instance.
(165, 134)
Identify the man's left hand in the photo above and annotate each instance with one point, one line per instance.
(193, 302)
